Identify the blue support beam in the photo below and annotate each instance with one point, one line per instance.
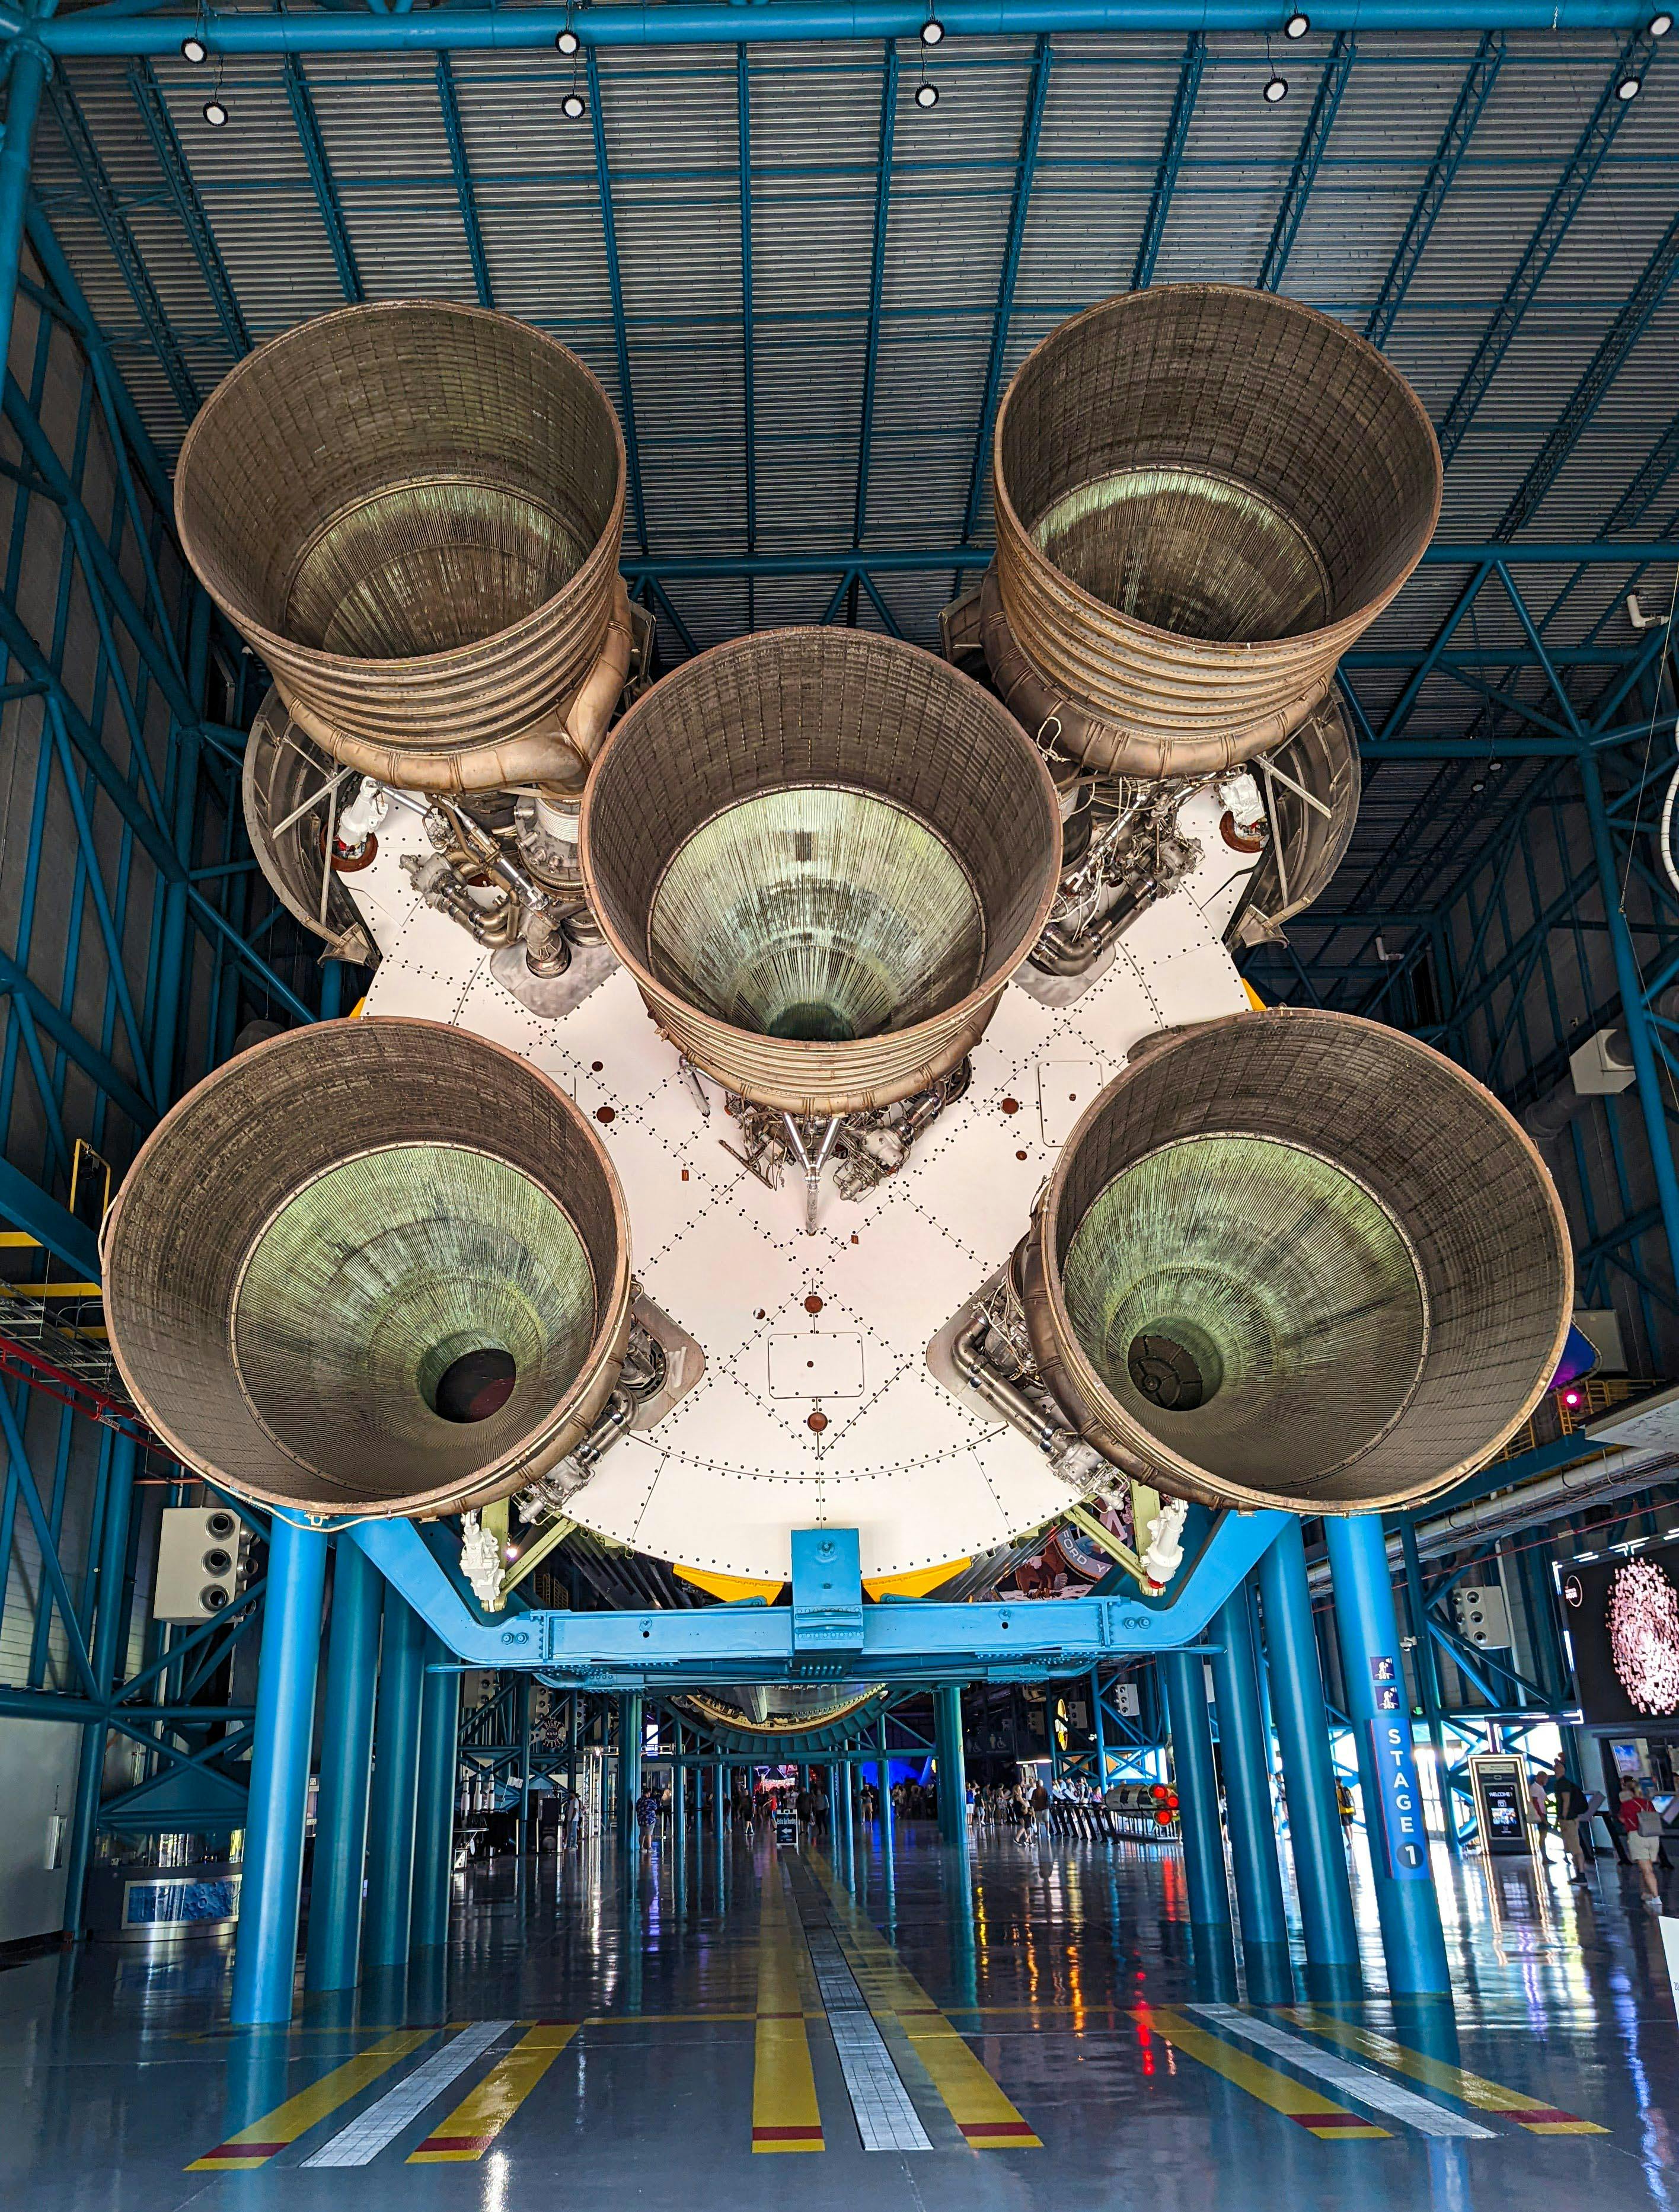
(1171, 159)
(1245, 1759)
(449, 102)
(265, 1948)
(302, 106)
(603, 178)
(718, 22)
(333, 1957)
(1372, 1670)
(1477, 85)
(1037, 93)
(1635, 58)
(1629, 326)
(1314, 143)
(125, 250)
(434, 1847)
(183, 191)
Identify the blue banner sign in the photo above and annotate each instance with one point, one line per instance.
(1394, 1761)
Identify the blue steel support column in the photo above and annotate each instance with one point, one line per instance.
(265, 1949)
(1411, 1940)
(1308, 1771)
(110, 1620)
(522, 1708)
(1248, 1807)
(396, 1775)
(888, 1824)
(1428, 1678)
(23, 95)
(1633, 1012)
(346, 1761)
(952, 1773)
(630, 1766)
(433, 1839)
(1204, 1874)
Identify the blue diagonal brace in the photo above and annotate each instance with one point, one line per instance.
(320, 176)
(449, 102)
(1483, 73)
(1171, 159)
(1623, 334)
(1635, 58)
(125, 248)
(184, 191)
(1314, 141)
(1026, 168)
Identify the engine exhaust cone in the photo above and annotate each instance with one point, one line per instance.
(376, 1266)
(1203, 495)
(822, 855)
(1297, 1259)
(413, 511)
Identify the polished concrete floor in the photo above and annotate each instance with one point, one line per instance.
(751, 2029)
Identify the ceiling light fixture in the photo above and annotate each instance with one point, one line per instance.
(1276, 88)
(566, 41)
(1627, 88)
(932, 30)
(927, 95)
(1661, 24)
(574, 105)
(1297, 26)
(214, 113)
(193, 48)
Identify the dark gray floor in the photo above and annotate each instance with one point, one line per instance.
(1063, 1968)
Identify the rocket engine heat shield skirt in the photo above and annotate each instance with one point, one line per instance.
(1203, 495)
(1297, 1259)
(378, 1267)
(822, 855)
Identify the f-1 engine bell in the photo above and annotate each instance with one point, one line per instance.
(412, 510)
(822, 855)
(1203, 495)
(376, 1265)
(1296, 1260)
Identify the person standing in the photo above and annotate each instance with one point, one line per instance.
(1040, 1809)
(1570, 1801)
(1643, 1825)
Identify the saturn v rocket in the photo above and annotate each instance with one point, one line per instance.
(816, 1085)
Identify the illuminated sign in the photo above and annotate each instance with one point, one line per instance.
(1394, 1759)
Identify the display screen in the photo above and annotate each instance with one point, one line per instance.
(1623, 1621)
(1504, 1820)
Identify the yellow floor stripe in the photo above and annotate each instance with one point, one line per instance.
(785, 2113)
(255, 2145)
(975, 2102)
(1532, 2114)
(480, 2116)
(1279, 2091)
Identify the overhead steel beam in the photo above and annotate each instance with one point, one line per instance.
(1635, 58)
(184, 191)
(1483, 73)
(1171, 159)
(1308, 160)
(603, 178)
(125, 248)
(701, 22)
(450, 105)
(876, 281)
(23, 92)
(1655, 281)
(1037, 93)
(302, 106)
